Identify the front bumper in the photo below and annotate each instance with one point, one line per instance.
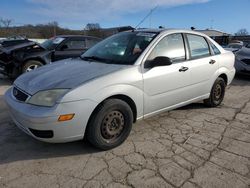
(43, 119)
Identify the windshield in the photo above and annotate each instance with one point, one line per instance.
(122, 48)
(52, 43)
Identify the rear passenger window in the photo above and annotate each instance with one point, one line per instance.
(171, 46)
(198, 46)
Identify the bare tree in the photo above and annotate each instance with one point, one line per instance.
(6, 22)
(93, 29)
(92, 26)
(242, 32)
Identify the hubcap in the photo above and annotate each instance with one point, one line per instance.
(217, 91)
(31, 68)
(112, 125)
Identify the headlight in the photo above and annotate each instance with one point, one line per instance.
(47, 98)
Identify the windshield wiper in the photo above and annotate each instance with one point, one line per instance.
(103, 60)
(95, 58)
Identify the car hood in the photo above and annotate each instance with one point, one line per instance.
(19, 46)
(68, 73)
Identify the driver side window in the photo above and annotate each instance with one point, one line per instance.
(171, 46)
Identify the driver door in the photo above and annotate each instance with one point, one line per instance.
(165, 86)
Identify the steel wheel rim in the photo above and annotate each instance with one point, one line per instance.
(112, 125)
(217, 91)
(31, 68)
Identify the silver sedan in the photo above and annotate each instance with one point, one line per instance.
(125, 78)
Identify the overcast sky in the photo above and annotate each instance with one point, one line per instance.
(226, 15)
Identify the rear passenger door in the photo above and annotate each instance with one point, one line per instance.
(73, 47)
(202, 64)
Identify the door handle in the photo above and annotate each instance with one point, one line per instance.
(212, 62)
(183, 69)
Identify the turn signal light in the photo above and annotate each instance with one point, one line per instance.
(66, 117)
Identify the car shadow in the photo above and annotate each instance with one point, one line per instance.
(15, 145)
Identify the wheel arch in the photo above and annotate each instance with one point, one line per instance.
(224, 77)
(34, 59)
(129, 101)
(122, 97)
(223, 73)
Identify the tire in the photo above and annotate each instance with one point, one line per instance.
(217, 93)
(110, 125)
(31, 65)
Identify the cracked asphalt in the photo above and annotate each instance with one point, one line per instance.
(191, 147)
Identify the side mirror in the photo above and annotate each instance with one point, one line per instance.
(64, 47)
(158, 61)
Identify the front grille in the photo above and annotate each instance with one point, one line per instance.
(246, 61)
(19, 95)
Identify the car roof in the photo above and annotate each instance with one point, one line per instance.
(73, 36)
(170, 30)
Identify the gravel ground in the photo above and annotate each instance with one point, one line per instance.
(193, 146)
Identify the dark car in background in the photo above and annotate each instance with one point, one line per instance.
(242, 60)
(234, 47)
(24, 57)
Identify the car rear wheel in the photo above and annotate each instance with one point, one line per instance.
(110, 125)
(31, 65)
(217, 93)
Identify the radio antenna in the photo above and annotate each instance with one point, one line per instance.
(149, 14)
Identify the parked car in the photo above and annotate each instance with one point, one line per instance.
(242, 60)
(234, 47)
(25, 57)
(126, 77)
(14, 40)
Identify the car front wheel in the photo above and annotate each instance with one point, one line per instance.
(31, 65)
(110, 125)
(217, 93)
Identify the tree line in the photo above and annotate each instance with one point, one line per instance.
(45, 31)
(51, 29)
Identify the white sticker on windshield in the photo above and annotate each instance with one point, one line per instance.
(144, 34)
(58, 40)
